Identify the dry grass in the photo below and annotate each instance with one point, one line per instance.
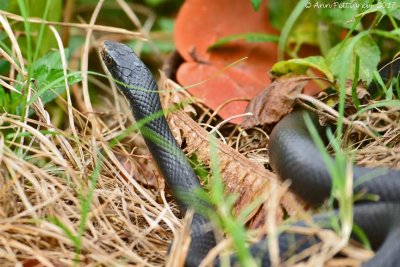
(48, 178)
(385, 152)
(66, 197)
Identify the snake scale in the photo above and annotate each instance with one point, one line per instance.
(292, 153)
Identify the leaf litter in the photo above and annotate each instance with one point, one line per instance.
(275, 101)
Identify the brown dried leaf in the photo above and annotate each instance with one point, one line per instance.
(275, 101)
(241, 176)
(361, 90)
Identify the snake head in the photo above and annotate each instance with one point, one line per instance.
(120, 60)
(128, 71)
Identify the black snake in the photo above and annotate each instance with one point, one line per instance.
(293, 155)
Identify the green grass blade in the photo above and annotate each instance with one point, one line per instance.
(355, 83)
(288, 27)
(41, 30)
(27, 26)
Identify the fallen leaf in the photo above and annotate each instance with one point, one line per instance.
(275, 101)
(241, 176)
(216, 20)
(217, 91)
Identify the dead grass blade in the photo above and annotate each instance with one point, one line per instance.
(13, 39)
(100, 28)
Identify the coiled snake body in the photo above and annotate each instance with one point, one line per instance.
(293, 156)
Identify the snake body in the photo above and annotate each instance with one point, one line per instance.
(293, 156)
(139, 87)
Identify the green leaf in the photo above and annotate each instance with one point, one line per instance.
(256, 4)
(301, 65)
(49, 69)
(248, 37)
(365, 48)
(320, 22)
(11, 102)
(343, 17)
(51, 60)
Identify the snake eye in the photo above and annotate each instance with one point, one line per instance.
(108, 60)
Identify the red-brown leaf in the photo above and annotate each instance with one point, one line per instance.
(198, 25)
(275, 101)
